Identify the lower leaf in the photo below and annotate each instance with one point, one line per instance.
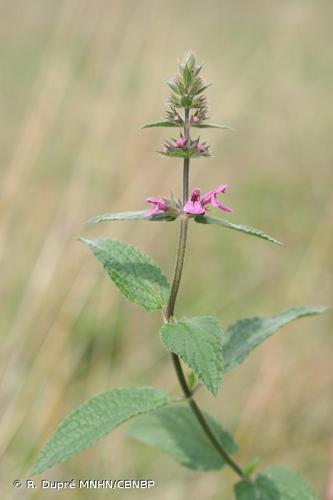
(175, 431)
(275, 483)
(95, 418)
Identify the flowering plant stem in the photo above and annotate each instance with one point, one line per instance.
(170, 310)
(200, 342)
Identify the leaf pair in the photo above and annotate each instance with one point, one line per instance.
(209, 351)
(167, 123)
(170, 427)
(201, 219)
(200, 342)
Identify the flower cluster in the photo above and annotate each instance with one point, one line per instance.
(186, 90)
(182, 148)
(195, 205)
(186, 96)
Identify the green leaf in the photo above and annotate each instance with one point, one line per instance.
(177, 153)
(201, 89)
(275, 483)
(186, 102)
(173, 86)
(133, 272)
(211, 125)
(250, 467)
(138, 215)
(163, 123)
(206, 219)
(243, 336)
(187, 76)
(198, 342)
(95, 418)
(175, 431)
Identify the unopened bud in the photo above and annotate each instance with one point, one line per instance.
(181, 142)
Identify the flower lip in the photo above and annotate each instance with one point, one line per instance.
(194, 205)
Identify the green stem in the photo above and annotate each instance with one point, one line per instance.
(170, 311)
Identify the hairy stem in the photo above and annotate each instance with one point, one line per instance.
(170, 310)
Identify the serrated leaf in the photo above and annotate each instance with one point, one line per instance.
(95, 418)
(207, 219)
(163, 123)
(138, 215)
(275, 483)
(133, 272)
(175, 431)
(211, 125)
(198, 342)
(243, 336)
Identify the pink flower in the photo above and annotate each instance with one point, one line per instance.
(196, 205)
(181, 142)
(195, 119)
(200, 148)
(159, 206)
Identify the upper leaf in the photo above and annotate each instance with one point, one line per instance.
(198, 342)
(133, 272)
(167, 123)
(175, 430)
(275, 483)
(138, 215)
(243, 336)
(162, 123)
(94, 419)
(211, 125)
(207, 219)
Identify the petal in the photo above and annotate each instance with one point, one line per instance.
(152, 200)
(221, 188)
(216, 203)
(193, 208)
(161, 205)
(207, 198)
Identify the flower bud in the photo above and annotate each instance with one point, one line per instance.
(181, 142)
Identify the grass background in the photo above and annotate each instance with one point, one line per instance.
(78, 79)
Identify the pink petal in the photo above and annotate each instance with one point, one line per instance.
(152, 199)
(216, 203)
(221, 188)
(159, 206)
(207, 198)
(194, 208)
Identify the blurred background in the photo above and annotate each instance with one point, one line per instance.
(78, 80)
